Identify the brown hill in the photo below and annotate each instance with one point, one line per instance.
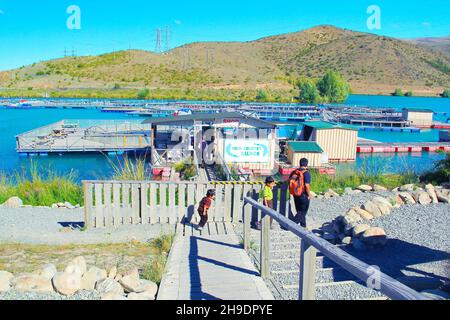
(372, 64)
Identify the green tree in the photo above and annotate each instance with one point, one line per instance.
(333, 87)
(409, 94)
(262, 95)
(446, 93)
(308, 92)
(398, 93)
(142, 94)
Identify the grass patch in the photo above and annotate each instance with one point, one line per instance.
(154, 268)
(130, 169)
(40, 188)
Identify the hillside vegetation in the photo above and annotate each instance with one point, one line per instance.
(371, 64)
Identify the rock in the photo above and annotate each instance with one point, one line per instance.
(442, 197)
(363, 213)
(140, 296)
(348, 230)
(68, 205)
(347, 240)
(48, 271)
(112, 296)
(5, 281)
(424, 198)
(374, 236)
(112, 272)
(359, 229)
(130, 283)
(407, 198)
(364, 188)
(148, 287)
(432, 193)
(118, 277)
(67, 283)
(397, 200)
(78, 265)
(32, 283)
(395, 190)
(91, 277)
(60, 205)
(132, 272)
(407, 187)
(377, 187)
(109, 285)
(382, 200)
(330, 194)
(419, 283)
(13, 202)
(358, 244)
(436, 294)
(383, 204)
(55, 206)
(372, 208)
(313, 194)
(351, 217)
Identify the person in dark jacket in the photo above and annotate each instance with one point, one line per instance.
(302, 201)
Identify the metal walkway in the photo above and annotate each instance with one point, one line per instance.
(211, 267)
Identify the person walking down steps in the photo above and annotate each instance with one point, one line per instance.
(300, 189)
(203, 208)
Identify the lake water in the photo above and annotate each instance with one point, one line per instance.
(90, 166)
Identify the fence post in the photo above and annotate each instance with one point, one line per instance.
(247, 211)
(307, 290)
(265, 250)
(87, 205)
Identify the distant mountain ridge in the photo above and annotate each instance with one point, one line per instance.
(442, 43)
(371, 63)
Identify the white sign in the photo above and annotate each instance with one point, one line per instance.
(246, 151)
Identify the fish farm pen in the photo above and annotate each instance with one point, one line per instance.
(85, 136)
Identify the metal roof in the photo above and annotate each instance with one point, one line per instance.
(305, 146)
(418, 110)
(320, 125)
(212, 118)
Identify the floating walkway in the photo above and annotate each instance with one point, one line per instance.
(410, 147)
(211, 266)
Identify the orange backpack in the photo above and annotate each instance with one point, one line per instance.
(297, 183)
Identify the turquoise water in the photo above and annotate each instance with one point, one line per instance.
(91, 166)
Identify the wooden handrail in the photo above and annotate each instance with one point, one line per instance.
(309, 243)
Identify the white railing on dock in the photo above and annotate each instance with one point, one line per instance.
(116, 203)
(309, 245)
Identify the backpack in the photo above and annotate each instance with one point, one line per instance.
(297, 183)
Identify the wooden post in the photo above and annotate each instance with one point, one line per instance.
(247, 217)
(87, 205)
(265, 250)
(307, 290)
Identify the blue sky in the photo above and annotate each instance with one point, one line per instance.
(32, 31)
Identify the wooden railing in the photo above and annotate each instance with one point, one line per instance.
(116, 203)
(310, 244)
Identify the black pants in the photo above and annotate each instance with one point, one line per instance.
(301, 207)
(203, 219)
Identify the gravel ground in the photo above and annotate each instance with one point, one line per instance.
(418, 245)
(80, 295)
(50, 226)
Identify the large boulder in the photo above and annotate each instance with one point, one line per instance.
(383, 204)
(140, 296)
(350, 217)
(364, 188)
(432, 193)
(363, 213)
(67, 283)
(77, 265)
(423, 198)
(374, 236)
(407, 188)
(330, 194)
(407, 198)
(372, 208)
(130, 283)
(91, 277)
(113, 296)
(359, 229)
(442, 196)
(109, 285)
(32, 283)
(5, 280)
(48, 271)
(13, 202)
(377, 187)
(112, 272)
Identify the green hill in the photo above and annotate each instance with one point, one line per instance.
(372, 64)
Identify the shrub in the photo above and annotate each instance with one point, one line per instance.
(398, 93)
(440, 174)
(446, 93)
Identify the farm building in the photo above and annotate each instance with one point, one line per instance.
(337, 141)
(418, 117)
(297, 150)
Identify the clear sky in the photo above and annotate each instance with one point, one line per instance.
(32, 31)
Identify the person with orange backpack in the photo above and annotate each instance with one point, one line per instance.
(300, 189)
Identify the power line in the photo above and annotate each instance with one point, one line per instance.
(158, 40)
(167, 35)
